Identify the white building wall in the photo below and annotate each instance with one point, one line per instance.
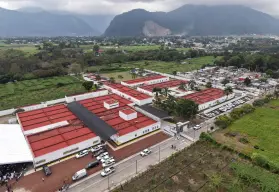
(44, 159)
(215, 102)
(138, 133)
(128, 117)
(128, 97)
(86, 96)
(150, 82)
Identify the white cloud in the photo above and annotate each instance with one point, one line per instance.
(119, 6)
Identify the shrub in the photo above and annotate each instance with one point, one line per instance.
(260, 160)
(60, 84)
(223, 121)
(260, 102)
(243, 140)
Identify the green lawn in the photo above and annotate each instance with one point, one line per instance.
(262, 129)
(126, 76)
(36, 91)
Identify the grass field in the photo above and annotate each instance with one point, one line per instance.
(260, 128)
(126, 76)
(202, 167)
(36, 91)
(169, 67)
(31, 49)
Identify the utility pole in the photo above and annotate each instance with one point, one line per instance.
(159, 153)
(136, 166)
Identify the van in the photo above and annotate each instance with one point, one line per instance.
(80, 174)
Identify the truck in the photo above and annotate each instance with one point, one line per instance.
(80, 174)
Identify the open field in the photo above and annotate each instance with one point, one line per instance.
(126, 76)
(28, 92)
(202, 167)
(260, 128)
(169, 67)
(31, 49)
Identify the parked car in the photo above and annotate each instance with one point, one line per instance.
(80, 174)
(106, 158)
(96, 154)
(145, 152)
(82, 154)
(197, 127)
(107, 171)
(92, 164)
(47, 170)
(108, 163)
(96, 148)
(102, 155)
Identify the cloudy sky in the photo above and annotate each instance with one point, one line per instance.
(119, 6)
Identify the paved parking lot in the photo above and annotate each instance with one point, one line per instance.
(63, 171)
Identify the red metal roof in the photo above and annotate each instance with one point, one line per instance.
(128, 111)
(145, 79)
(205, 96)
(167, 84)
(128, 91)
(111, 116)
(52, 140)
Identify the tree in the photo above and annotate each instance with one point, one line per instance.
(208, 85)
(98, 77)
(228, 90)
(182, 85)
(156, 90)
(112, 80)
(186, 108)
(174, 73)
(269, 72)
(225, 81)
(192, 84)
(87, 85)
(134, 75)
(166, 91)
(120, 77)
(75, 68)
(96, 48)
(247, 81)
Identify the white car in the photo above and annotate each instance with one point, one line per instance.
(106, 158)
(107, 171)
(108, 163)
(97, 148)
(82, 154)
(197, 127)
(102, 155)
(145, 152)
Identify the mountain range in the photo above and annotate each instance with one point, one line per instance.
(195, 20)
(33, 21)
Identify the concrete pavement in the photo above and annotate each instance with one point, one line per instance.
(130, 167)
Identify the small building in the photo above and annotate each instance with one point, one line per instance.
(145, 81)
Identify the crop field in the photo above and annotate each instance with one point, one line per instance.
(119, 76)
(202, 167)
(35, 91)
(260, 129)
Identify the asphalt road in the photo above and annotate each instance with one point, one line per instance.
(128, 168)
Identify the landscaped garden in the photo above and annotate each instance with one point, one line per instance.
(34, 91)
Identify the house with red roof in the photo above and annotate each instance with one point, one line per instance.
(145, 81)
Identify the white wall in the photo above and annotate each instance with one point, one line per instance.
(138, 133)
(128, 97)
(7, 112)
(44, 159)
(86, 96)
(215, 102)
(145, 92)
(150, 82)
(34, 107)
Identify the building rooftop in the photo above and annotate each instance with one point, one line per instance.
(205, 96)
(128, 111)
(111, 116)
(52, 140)
(141, 80)
(167, 84)
(128, 91)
